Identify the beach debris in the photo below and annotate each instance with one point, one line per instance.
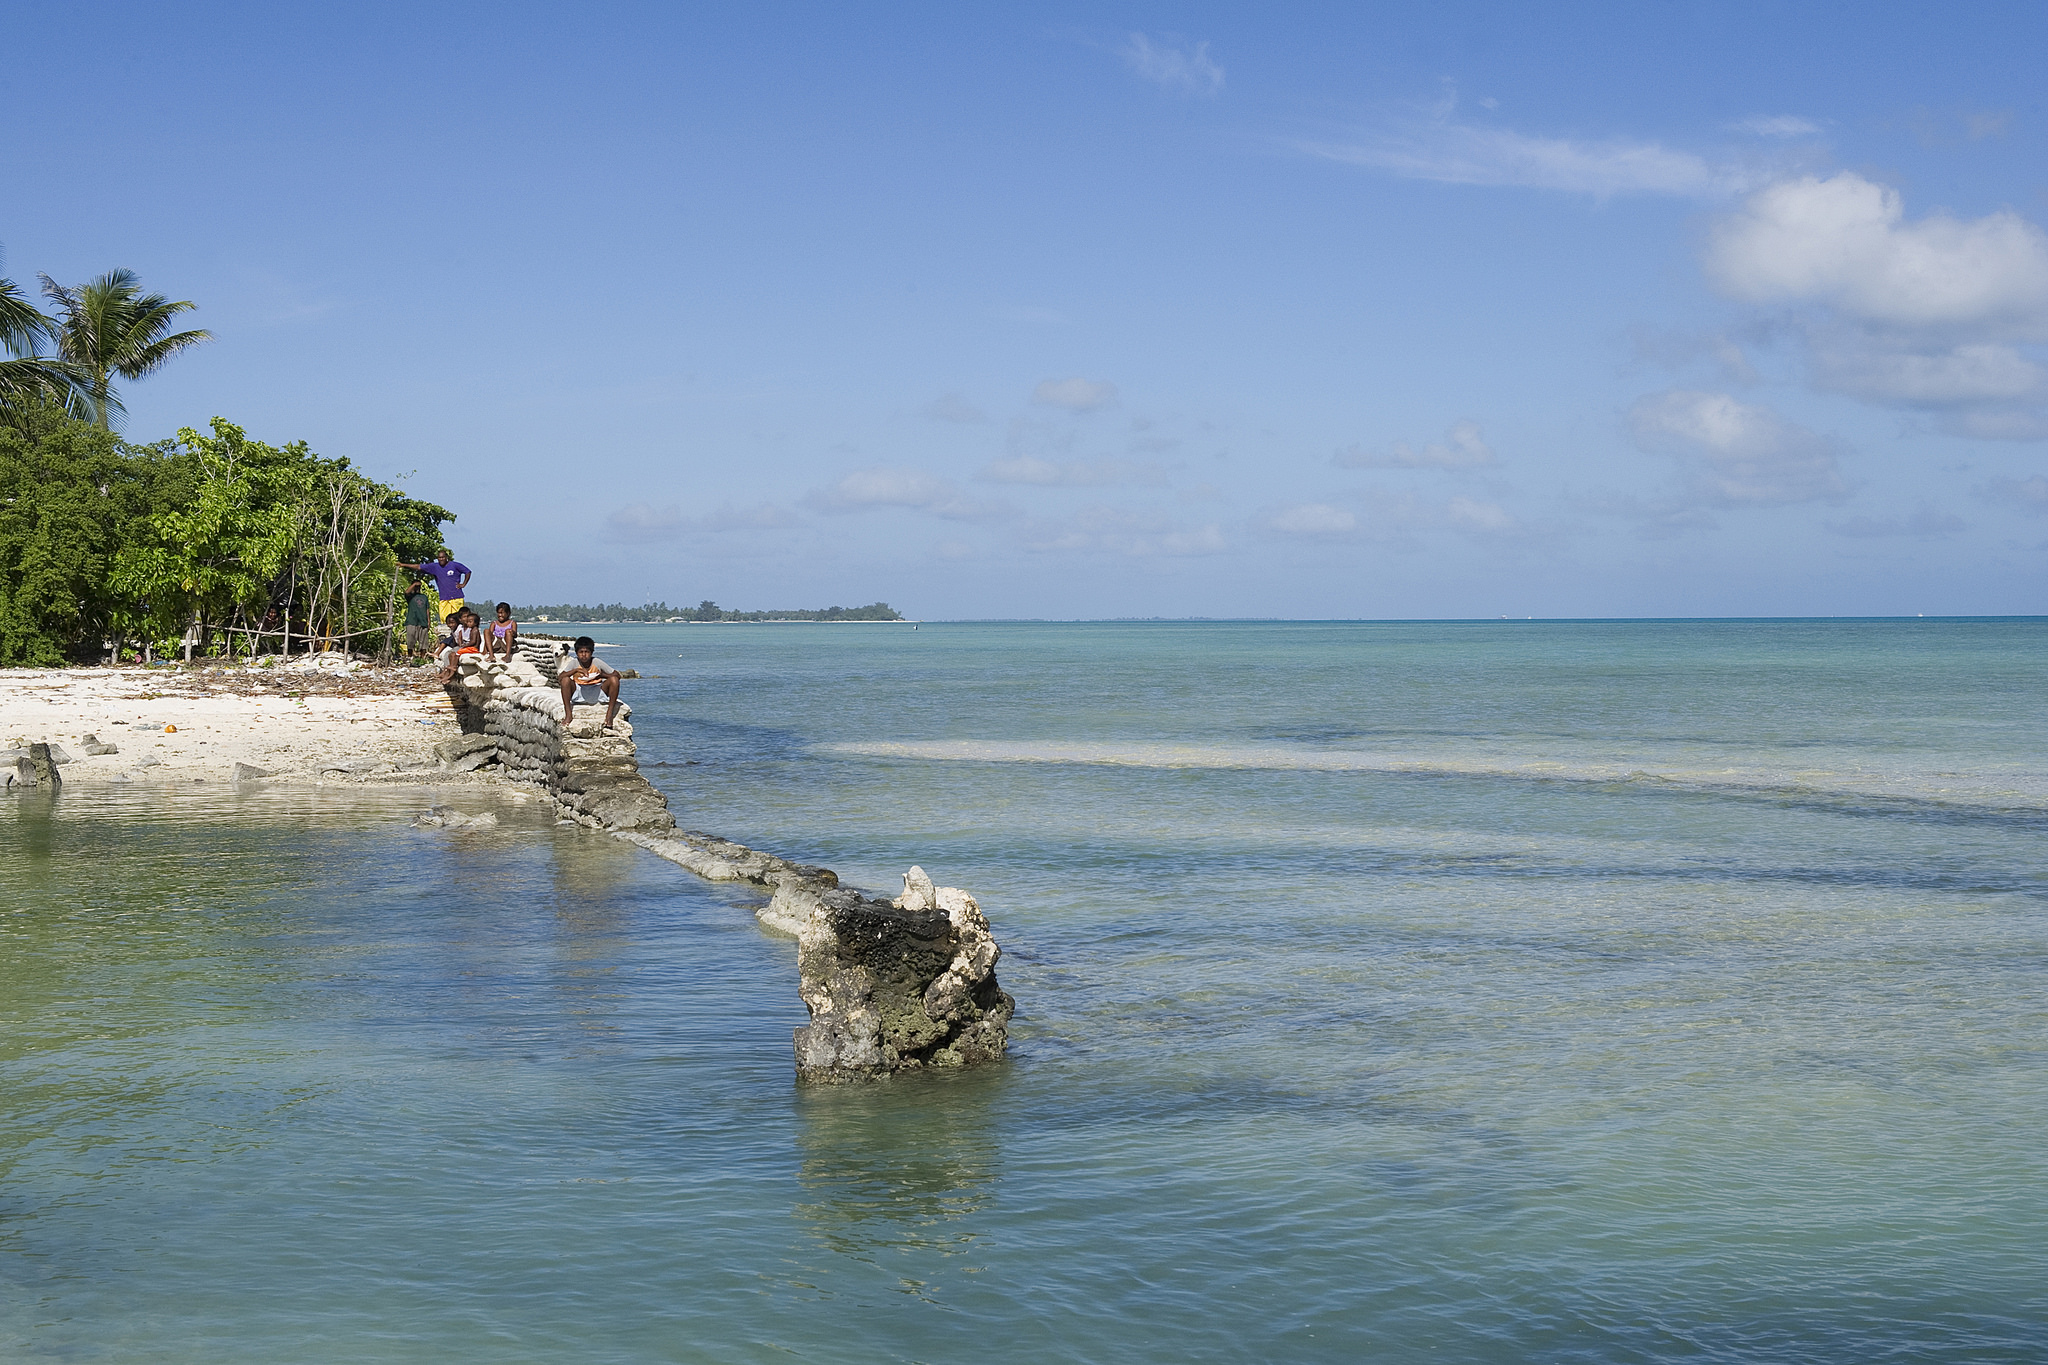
(248, 772)
(331, 661)
(170, 729)
(898, 985)
(94, 749)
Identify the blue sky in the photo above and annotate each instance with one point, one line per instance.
(1309, 311)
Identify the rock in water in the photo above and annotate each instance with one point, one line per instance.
(44, 765)
(466, 753)
(898, 986)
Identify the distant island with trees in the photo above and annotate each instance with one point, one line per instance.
(707, 610)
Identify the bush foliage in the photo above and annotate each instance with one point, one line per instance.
(104, 540)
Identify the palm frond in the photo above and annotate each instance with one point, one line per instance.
(22, 328)
(153, 357)
(46, 379)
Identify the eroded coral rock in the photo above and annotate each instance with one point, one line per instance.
(898, 985)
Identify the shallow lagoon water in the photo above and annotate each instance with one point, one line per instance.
(1604, 992)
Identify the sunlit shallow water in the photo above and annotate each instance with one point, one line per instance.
(1540, 992)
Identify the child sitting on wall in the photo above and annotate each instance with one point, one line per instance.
(588, 679)
(462, 639)
(503, 636)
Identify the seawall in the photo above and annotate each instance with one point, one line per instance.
(892, 985)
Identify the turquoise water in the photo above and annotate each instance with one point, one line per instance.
(1489, 992)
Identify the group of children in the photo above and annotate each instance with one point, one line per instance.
(466, 634)
(584, 677)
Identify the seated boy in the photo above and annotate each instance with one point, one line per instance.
(588, 679)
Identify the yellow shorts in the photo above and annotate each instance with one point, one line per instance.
(449, 604)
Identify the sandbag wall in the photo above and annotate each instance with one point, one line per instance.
(592, 776)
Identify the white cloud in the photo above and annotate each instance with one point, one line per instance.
(1463, 154)
(1076, 394)
(1776, 125)
(1030, 469)
(1461, 448)
(1174, 65)
(1927, 314)
(953, 407)
(2029, 495)
(1924, 524)
(1316, 520)
(1844, 242)
(1737, 454)
(885, 486)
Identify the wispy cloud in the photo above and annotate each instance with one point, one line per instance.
(1925, 523)
(1137, 534)
(2029, 495)
(886, 486)
(1313, 521)
(1462, 448)
(1466, 154)
(1075, 395)
(1734, 454)
(643, 522)
(1030, 469)
(953, 407)
(1173, 65)
(1776, 125)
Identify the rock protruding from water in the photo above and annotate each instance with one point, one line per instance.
(898, 985)
(42, 766)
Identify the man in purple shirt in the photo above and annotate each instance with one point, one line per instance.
(449, 578)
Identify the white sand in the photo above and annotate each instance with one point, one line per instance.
(380, 722)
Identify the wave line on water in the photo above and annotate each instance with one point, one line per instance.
(1988, 791)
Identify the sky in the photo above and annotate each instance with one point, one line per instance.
(1304, 311)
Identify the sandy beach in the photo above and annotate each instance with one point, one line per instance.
(173, 724)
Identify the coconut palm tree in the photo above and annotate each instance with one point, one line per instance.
(27, 376)
(109, 327)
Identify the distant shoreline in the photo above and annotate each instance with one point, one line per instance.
(779, 621)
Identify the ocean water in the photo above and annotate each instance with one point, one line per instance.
(1475, 992)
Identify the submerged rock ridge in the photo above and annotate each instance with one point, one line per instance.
(898, 985)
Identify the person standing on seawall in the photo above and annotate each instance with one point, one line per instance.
(449, 578)
(419, 621)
